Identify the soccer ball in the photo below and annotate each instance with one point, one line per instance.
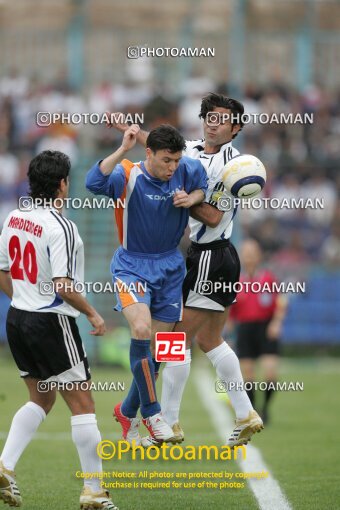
(244, 176)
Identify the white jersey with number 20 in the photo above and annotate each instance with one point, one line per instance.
(37, 246)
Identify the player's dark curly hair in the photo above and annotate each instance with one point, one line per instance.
(213, 100)
(165, 137)
(45, 172)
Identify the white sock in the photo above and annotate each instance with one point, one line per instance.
(228, 370)
(24, 425)
(174, 378)
(86, 436)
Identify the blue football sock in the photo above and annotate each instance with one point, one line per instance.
(131, 403)
(143, 371)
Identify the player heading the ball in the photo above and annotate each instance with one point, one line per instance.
(212, 264)
(158, 193)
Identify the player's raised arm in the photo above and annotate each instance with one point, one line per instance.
(124, 126)
(107, 177)
(129, 141)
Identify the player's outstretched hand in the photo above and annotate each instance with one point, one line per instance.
(182, 199)
(113, 123)
(98, 323)
(130, 137)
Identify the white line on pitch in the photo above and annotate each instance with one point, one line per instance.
(267, 491)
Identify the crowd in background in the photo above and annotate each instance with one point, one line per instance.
(302, 160)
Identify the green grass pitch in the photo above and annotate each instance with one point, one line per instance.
(300, 446)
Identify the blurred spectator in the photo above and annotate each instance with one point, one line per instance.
(60, 137)
(101, 98)
(266, 233)
(317, 186)
(291, 263)
(13, 85)
(131, 91)
(289, 188)
(9, 179)
(331, 247)
(192, 90)
(188, 117)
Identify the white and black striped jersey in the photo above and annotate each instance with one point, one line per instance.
(214, 164)
(37, 246)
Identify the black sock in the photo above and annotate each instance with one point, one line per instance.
(267, 396)
(251, 394)
(268, 393)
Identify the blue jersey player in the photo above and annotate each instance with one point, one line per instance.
(148, 270)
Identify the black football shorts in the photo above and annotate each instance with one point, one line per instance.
(212, 271)
(252, 340)
(47, 346)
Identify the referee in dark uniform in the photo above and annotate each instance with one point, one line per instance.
(258, 317)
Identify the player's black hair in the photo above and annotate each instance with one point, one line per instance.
(165, 137)
(45, 172)
(213, 100)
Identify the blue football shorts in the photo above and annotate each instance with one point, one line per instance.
(153, 279)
